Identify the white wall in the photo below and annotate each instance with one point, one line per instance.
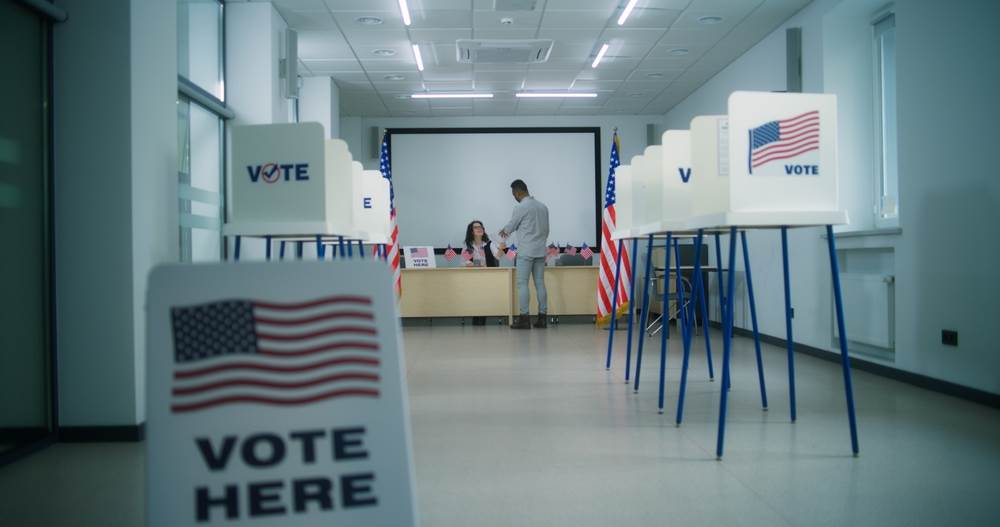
(319, 102)
(115, 215)
(947, 85)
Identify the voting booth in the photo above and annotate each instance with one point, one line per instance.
(371, 206)
(771, 161)
(287, 180)
(650, 190)
(677, 173)
(624, 203)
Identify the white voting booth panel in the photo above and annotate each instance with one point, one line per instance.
(624, 202)
(677, 175)
(287, 180)
(771, 161)
(650, 192)
(371, 207)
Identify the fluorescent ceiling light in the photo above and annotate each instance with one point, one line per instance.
(556, 94)
(621, 19)
(600, 55)
(406, 12)
(416, 54)
(456, 95)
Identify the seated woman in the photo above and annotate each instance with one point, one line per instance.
(484, 253)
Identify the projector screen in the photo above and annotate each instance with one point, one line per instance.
(445, 178)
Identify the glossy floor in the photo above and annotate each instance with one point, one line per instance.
(527, 428)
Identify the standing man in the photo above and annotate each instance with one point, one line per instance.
(530, 221)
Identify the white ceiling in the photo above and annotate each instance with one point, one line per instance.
(638, 75)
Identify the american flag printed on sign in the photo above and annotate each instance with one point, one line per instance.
(783, 139)
(586, 253)
(418, 252)
(385, 166)
(609, 252)
(450, 253)
(273, 353)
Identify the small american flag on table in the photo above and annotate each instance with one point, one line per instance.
(586, 253)
(570, 250)
(271, 353)
(512, 252)
(450, 253)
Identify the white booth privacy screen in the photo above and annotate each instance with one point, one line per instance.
(445, 178)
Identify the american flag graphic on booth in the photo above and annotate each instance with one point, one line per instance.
(271, 353)
(783, 139)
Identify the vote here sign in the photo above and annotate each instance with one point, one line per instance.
(276, 396)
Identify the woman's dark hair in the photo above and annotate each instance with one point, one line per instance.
(469, 236)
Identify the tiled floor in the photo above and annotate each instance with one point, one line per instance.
(527, 428)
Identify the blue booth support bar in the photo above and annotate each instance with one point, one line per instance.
(753, 320)
(281, 250)
(614, 300)
(631, 310)
(698, 287)
(664, 317)
(788, 323)
(320, 248)
(644, 317)
(236, 251)
(844, 360)
(267, 247)
(727, 344)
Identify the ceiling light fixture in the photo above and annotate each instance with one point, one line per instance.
(405, 11)
(453, 95)
(395, 77)
(626, 12)
(556, 94)
(600, 55)
(416, 55)
(383, 52)
(506, 21)
(709, 20)
(368, 20)
(678, 52)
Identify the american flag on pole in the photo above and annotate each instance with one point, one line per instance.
(586, 253)
(512, 252)
(783, 139)
(386, 169)
(551, 252)
(273, 353)
(450, 253)
(609, 252)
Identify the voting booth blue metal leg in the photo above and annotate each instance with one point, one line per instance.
(361, 249)
(267, 247)
(320, 248)
(789, 343)
(753, 320)
(298, 250)
(703, 302)
(844, 360)
(281, 250)
(698, 287)
(631, 311)
(644, 317)
(720, 273)
(236, 249)
(614, 300)
(665, 303)
(340, 244)
(727, 344)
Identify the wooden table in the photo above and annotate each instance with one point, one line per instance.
(482, 291)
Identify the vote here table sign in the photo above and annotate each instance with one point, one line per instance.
(276, 395)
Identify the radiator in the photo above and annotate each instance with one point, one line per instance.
(868, 309)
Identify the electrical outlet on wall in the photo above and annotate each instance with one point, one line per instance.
(949, 337)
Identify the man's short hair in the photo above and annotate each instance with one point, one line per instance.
(519, 186)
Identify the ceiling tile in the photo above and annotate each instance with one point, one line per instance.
(304, 5)
(498, 86)
(500, 67)
(491, 19)
(423, 36)
(688, 38)
(652, 18)
(362, 5)
(577, 18)
(503, 34)
(410, 86)
(331, 66)
(603, 74)
(448, 74)
(307, 20)
(417, 5)
(457, 85)
(503, 76)
(549, 80)
(401, 47)
(391, 77)
(389, 65)
(630, 35)
(655, 75)
(323, 45)
(440, 18)
(376, 37)
(580, 4)
(561, 64)
(617, 63)
(585, 84)
(348, 21)
(560, 36)
(572, 49)
(442, 55)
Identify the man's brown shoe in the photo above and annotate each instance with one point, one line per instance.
(521, 322)
(542, 321)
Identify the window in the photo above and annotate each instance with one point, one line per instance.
(201, 115)
(887, 174)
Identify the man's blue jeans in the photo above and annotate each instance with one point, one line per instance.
(527, 265)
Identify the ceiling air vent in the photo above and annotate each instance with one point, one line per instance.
(503, 51)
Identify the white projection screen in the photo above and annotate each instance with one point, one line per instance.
(445, 178)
